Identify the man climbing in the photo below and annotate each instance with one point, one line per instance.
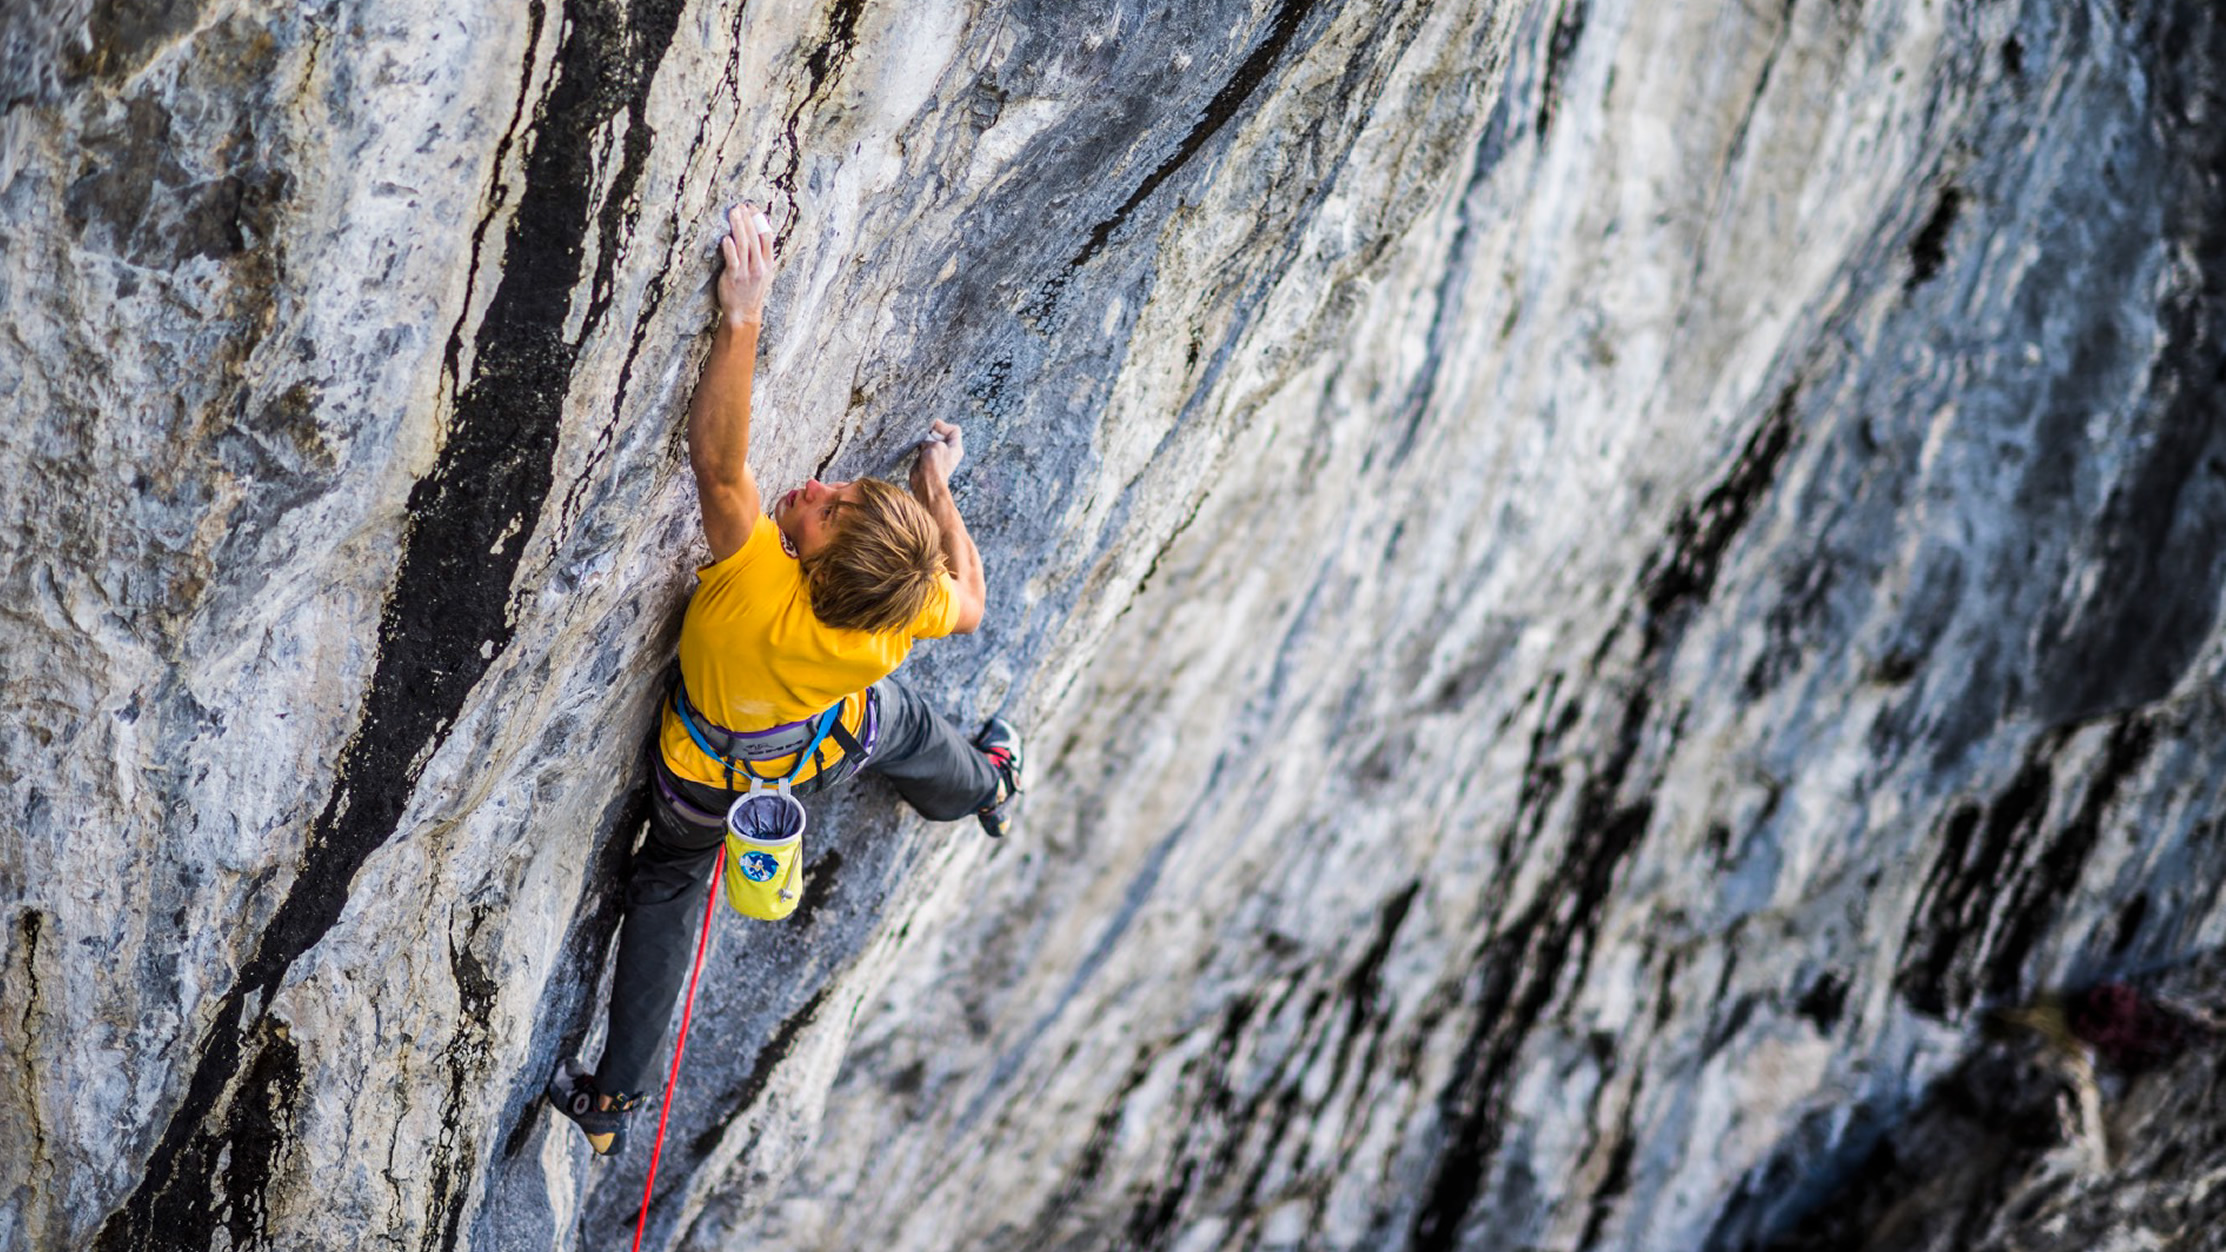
(796, 623)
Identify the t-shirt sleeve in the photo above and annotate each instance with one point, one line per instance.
(940, 613)
(763, 544)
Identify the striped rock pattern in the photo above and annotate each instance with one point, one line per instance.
(1592, 583)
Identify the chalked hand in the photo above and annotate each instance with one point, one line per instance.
(940, 453)
(747, 255)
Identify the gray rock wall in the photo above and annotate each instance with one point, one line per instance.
(1591, 582)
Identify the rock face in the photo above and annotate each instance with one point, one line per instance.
(1592, 582)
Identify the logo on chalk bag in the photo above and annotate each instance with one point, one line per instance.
(759, 866)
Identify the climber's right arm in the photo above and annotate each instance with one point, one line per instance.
(719, 413)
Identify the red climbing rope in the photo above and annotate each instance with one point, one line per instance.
(687, 1010)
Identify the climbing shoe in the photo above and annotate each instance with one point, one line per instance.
(1000, 742)
(572, 1090)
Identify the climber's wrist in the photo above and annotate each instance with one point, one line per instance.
(929, 483)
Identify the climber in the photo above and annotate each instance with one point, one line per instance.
(797, 620)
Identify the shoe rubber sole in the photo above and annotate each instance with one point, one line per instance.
(569, 1096)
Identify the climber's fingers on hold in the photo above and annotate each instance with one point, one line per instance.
(748, 226)
(742, 237)
(941, 451)
(746, 262)
(747, 246)
(740, 228)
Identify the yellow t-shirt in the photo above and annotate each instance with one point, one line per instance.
(753, 656)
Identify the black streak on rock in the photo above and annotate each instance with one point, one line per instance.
(258, 1126)
(1290, 1108)
(1215, 1119)
(447, 615)
(1550, 944)
(1724, 1027)
(1153, 1218)
(2037, 893)
(1226, 104)
(1522, 967)
(243, 1154)
(1090, 1162)
(2130, 918)
(1367, 1017)
(468, 1059)
(1543, 776)
(1568, 30)
(1683, 572)
(822, 880)
(1231, 1115)
(1613, 1184)
(1364, 985)
(1930, 249)
(744, 1094)
(819, 70)
(616, 228)
(1166, 545)
(30, 924)
(1977, 846)
(1823, 1002)
(1995, 888)
(499, 193)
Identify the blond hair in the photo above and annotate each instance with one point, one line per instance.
(880, 566)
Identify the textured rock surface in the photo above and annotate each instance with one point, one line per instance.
(1592, 581)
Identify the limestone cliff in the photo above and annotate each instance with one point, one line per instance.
(1592, 582)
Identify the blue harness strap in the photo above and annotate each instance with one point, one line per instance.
(820, 725)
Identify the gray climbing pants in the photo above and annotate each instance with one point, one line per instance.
(936, 769)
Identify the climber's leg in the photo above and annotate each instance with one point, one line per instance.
(664, 907)
(933, 766)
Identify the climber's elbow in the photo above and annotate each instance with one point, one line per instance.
(971, 602)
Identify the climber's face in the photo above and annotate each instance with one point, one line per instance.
(807, 514)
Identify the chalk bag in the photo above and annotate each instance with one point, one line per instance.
(765, 851)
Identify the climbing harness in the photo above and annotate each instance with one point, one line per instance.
(687, 1011)
(764, 847)
(736, 749)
